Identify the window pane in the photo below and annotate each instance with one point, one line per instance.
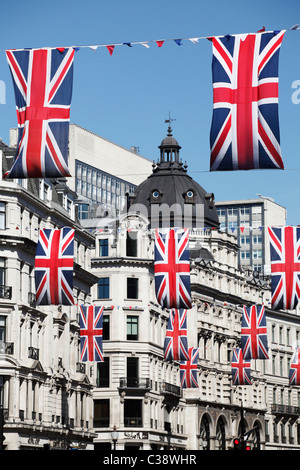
(103, 247)
(133, 413)
(2, 215)
(101, 413)
(132, 288)
(2, 271)
(132, 328)
(103, 373)
(2, 328)
(103, 288)
(105, 334)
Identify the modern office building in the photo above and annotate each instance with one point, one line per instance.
(249, 220)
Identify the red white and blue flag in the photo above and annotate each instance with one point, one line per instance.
(43, 80)
(54, 267)
(294, 372)
(188, 370)
(172, 269)
(176, 343)
(245, 126)
(91, 333)
(240, 368)
(285, 266)
(254, 333)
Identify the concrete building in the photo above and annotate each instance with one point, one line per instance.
(249, 220)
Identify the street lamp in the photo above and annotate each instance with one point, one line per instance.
(114, 436)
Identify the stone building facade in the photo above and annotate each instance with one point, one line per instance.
(45, 392)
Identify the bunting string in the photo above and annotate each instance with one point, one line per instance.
(158, 42)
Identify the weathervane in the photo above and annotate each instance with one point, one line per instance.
(169, 121)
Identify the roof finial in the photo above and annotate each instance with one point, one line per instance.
(169, 121)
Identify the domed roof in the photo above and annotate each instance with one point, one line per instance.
(169, 197)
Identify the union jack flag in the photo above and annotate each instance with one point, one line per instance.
(42, 80)
(54, 267)
(188, 370)
(240, 369)
(176, 344)
(245, 126)
(172, 269)
(285, 267)
(91, 332)
(294, 373)
(254, 333)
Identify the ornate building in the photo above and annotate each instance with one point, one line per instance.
(133, 400)
(45, 392)
(137, 391)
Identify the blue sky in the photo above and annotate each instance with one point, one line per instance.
(126, 97)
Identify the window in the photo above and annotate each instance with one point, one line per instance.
(232, 211)
(133, 413)
(244, 240)
(232, 224)
(132, 328)
(2, 216)
(244, 210)
(105, 335)
(103, 247)
(245, 254)
(101, 413)
(257, 254)
(103, 288)
(83, 211)
(132, 288)
(131, 244)
(132, 371)
(257, 267)
(221, 212)
(2, 329)
(2, 271)
(256, 210)
(103, 373)
(257, 240)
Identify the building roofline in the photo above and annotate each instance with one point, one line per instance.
(109, 141)
(248, 201)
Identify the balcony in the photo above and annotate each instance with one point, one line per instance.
(6, 348)
(135, 421)
(135, 385)
(5, 292)
(170, 389)
(285, 409)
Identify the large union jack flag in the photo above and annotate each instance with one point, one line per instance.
(91, 332)
(254, 333)
(285, 266)
(245, 126)
(172, 269)
(240, 368)
(294, 372)
(54, 267)
(42, 80)
(176, 344)
(188, 370)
